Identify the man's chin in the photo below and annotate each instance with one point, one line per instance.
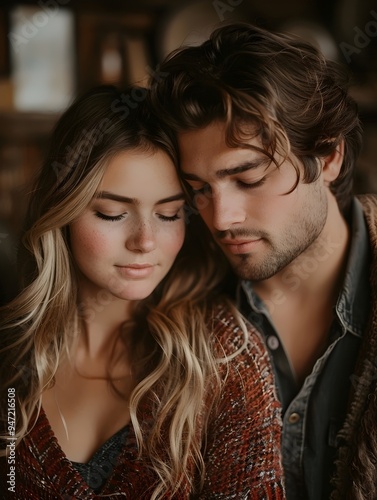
(252, 272)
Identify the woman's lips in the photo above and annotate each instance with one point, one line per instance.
(136, 270)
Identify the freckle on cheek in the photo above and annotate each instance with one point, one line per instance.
(91, 241)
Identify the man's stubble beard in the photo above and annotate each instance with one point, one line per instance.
(302, 234)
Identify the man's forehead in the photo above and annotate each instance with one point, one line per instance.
(211, 143)
(214, 139)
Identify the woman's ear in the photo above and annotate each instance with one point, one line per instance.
(332, 163)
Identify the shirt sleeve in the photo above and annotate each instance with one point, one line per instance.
(243, 446)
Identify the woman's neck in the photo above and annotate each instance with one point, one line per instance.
(101, 348)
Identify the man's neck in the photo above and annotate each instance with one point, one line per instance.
(300, 298)
(317, 270)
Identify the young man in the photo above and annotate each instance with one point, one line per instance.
(268, 140)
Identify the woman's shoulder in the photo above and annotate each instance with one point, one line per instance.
(233, 334)
(244, 363)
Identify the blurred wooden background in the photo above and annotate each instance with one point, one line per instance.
(50, 50)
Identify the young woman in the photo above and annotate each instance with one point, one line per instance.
(123, 374)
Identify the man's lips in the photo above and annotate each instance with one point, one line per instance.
(240, 245)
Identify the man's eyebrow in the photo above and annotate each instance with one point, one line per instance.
(225, 172)
(106, 195)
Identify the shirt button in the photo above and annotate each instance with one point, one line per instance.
(293, 418)
(272, 342)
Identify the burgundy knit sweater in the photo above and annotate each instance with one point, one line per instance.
(242, 443)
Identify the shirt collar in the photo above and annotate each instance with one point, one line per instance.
(253, 299)
(353, 303)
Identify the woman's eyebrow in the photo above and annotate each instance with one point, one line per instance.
(107, 195)
(179, 196)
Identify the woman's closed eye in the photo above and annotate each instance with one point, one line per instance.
(171, 213)
(169, 218)
(114, 218)
(111, 218)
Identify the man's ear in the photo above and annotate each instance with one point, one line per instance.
(332, 163)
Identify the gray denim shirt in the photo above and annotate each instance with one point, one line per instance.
(314, 413)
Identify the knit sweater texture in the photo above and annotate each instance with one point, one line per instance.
(242, 453)
(356, 474)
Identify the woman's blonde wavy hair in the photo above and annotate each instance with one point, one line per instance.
(176, 364)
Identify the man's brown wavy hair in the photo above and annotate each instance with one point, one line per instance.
(296, 101)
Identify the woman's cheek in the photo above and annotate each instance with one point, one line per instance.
(176, 238)
(88, 241)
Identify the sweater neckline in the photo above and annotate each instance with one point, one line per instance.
(59, 469)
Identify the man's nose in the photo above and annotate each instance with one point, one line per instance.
(227, 211)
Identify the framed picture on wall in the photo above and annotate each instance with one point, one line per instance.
(42, 54)
(113, 48)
